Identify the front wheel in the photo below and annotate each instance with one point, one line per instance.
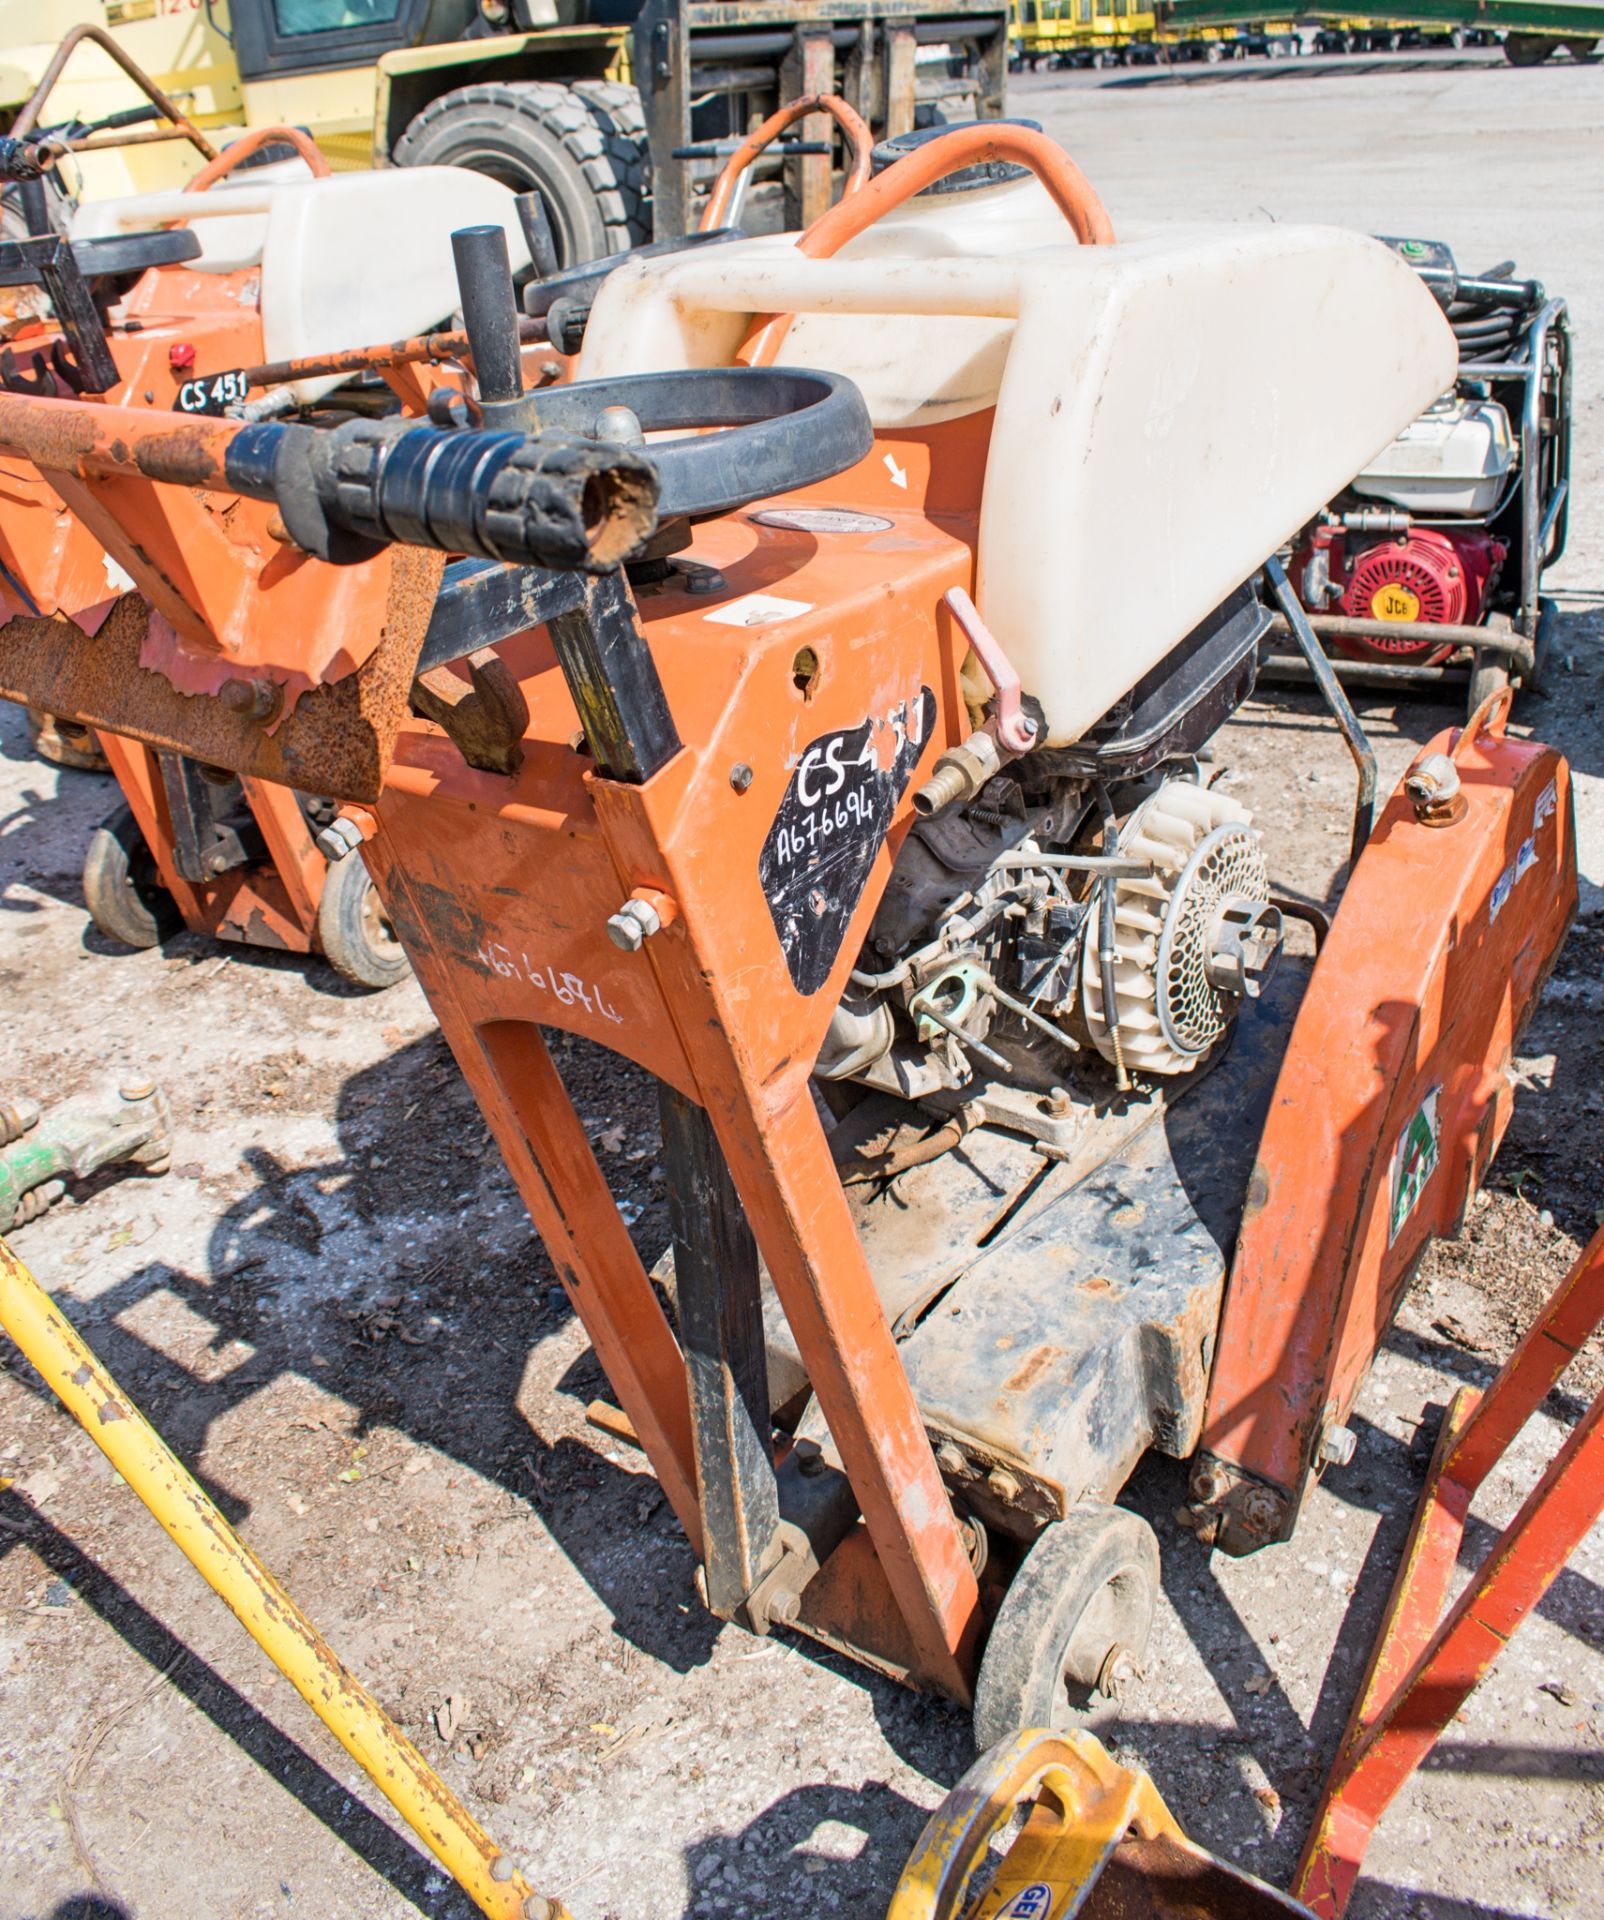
(354, 930)
(1075, 1623)
(125, 897)
(583, 148)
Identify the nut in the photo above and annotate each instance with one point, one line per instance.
(1209, 1482)
(501, 1867)
(633, 925)
(785, 1607)
(1259, 1509)
(538, 1907)
(740, 776)
(949, 1458)
(1337, 1446)
(340, 837)
(1002, 1484)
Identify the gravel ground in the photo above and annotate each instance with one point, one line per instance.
(335, 1309)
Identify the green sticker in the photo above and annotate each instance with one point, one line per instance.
(1414, 1161)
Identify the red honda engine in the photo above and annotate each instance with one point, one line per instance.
(1424, 576)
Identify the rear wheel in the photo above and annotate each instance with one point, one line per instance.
(1488, 672)
(354, 930)
(583, 148)
(1074, 1623)
(125, 898)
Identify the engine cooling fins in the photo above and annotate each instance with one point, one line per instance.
(1190, 936)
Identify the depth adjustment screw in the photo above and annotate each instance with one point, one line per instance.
(633, 925)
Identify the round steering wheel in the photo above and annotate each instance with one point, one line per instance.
(782, 428)
(1071, 192)
(853, 129)
(253, 142)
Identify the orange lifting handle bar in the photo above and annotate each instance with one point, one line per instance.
(1071, 192)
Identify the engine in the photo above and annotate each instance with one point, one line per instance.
(1420, 537)
(1061, 935)
(1436, 576)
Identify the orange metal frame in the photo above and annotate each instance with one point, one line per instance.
(1404, 1045)
(1427, 1663)
(71, 538)
(500, 887)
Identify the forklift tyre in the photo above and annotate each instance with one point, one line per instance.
(125, 898)
(1530, 49)
(583, 147)
(354, 930)
(1079, 1612)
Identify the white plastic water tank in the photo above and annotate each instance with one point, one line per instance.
(1164, 412)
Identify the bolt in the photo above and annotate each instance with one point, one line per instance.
(809, 1460)
(633, 925)
(784, 1607)
(137, 1090)
(1208, 1482)
(948, 1458)
(619, 426)
(501, 1867)
(1116, 1673)
(252, 699)
(338, 838)
(1260, 1509)
(217, 861)
(538, 1907)
(740, 776)
(1338, 1446)
(1003, 1484)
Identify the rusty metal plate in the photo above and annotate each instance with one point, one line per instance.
(337, 741)
(1074, 1343)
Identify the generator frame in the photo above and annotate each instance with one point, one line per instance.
(1485, 656)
